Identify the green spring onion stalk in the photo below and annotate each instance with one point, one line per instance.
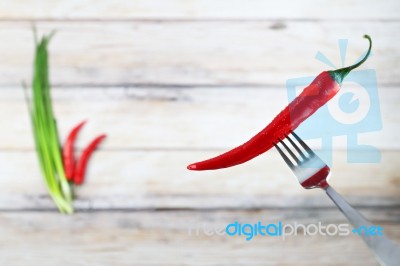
(45, 131)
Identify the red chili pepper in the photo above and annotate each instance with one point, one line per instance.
(68, 151)
(83, 160)
(319, 92)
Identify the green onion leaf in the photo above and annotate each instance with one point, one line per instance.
(45, 131)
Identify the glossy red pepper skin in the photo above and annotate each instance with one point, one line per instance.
(68, 151)
(318, 93)
(83, 160)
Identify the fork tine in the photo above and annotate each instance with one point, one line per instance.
(297, 148)
(290, 151)
(303, 144)
(311, 172)
(285, 158)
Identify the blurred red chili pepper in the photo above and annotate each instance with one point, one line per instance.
(68, 151)
(319, 92)
(83, 160)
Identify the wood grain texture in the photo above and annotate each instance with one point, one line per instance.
(199, 9)
(162, 238)
(159, 179)
(167, 80)
(176, 118)
(187, 53)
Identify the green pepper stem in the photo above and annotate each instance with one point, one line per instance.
(339, 74)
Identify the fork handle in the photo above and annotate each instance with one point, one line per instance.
(386, 251)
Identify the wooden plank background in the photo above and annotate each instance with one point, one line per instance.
(172, 82)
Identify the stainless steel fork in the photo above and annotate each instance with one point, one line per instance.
(312, 172)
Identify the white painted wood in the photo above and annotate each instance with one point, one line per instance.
(196, 118)
(211, 53)
(199, 9)
(159, 179)
(204, 68)
(173, 118)
(161, 238)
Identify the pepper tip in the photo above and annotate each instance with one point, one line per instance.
(191, 167)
